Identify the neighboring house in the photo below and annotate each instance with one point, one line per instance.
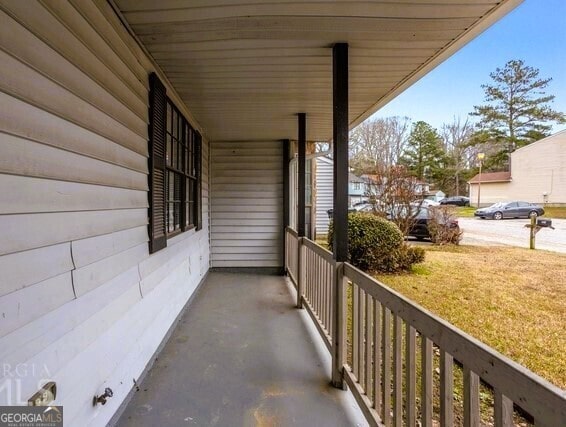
(538, 175)
(493, 188)
(436, 196)
(324, 197)
(357, 190)
(144, 144)
(324, 193)
(376, 185)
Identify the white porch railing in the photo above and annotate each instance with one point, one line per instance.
(292, 254)
(403, 363)
(319, 280)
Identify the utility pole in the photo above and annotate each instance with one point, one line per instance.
(480, 158)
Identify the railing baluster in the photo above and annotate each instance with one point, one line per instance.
(361, 368)
(446, 389)
(319, 285)
(471, 398)
(398, 370)
(503, 410)
(301, 279)
(386, 395)
(355, 330)
(377, 356)
(410, 372)
(426, 383)
(330, 299)
(313, 283)
(368, 336)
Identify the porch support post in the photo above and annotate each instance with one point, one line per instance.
(286, 218)
(340, 212)
(301, 193)
(302, 148)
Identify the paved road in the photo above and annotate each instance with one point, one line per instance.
(512, 232)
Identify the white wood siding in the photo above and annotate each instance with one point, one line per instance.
(82, 302)
(324, 193)
(246, 204)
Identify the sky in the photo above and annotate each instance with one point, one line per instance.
(535, 32)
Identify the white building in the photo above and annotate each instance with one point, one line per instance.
(538, 175)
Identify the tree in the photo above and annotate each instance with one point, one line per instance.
(392, 192)
(378, 143)
(425, 153)
(457, 136)
(517, 111)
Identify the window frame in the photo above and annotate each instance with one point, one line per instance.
(175, 169)
(182, 163)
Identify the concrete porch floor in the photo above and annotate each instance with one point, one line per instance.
(242, 355)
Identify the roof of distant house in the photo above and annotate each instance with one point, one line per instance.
(491, 177)
(354, 178)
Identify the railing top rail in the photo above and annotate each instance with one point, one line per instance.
(319, 250)
(291, 231)
(543, 400)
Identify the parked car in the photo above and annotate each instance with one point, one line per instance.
(456, 201)
(420, 227)
(510, 210)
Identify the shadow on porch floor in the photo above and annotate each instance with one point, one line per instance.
(242, 355)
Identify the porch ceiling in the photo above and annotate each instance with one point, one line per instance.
(245, 67)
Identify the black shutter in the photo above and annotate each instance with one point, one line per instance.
(157, 186)
(198, 159)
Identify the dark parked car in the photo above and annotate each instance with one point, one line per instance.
(456, 201)
(510, 210)
(420, 227)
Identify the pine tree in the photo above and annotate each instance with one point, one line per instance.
(424, 154)
(516, 113)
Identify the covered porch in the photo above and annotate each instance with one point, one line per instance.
(242, 355)
(176, 122)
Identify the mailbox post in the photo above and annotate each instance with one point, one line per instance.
(535, 226)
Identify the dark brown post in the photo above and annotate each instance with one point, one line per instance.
(340, 213)
(301, 193)
(340, 150)
(302, 148)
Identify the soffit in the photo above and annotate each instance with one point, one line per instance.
(245, 68)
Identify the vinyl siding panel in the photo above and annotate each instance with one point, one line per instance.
(540, 168)
(80, 295)
(246, 204)
(324, 193)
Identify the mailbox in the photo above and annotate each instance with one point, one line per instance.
(541, 222)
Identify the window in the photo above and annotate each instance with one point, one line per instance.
(182, 165)
(357, 186)
(175, 169)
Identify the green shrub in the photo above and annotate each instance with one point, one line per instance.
(377, 245)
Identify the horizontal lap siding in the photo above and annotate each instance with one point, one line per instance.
(246, 204)
(80, 296)
(324, 194)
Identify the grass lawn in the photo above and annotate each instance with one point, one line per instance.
(465, 211)
(512, 299)
(555, 212)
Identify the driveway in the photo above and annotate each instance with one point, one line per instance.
(512, 232)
